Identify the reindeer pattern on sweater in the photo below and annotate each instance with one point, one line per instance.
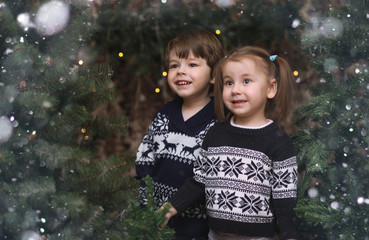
(169, 150)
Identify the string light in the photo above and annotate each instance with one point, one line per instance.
(165, 74)
(80, 62)
(217, 31)
(83, 130)
(157, 90)
(120, 54)
(295, 73)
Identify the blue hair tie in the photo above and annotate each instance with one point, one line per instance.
(273, 57)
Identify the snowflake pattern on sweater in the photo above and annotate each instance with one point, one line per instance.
(249, 179)
(239, 183)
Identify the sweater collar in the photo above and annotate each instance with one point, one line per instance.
(236, 129)
(204, 115)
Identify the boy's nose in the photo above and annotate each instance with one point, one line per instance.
(181, 70)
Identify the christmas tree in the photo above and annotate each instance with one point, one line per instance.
(332, 141)
(53, 182)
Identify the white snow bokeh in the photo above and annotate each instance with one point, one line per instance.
(30, 235)
(330, 65)
(296, 23)
(313, 192)
(24, 20)
(331, 27)
(52, 17)
(6, 129)
(224, 3)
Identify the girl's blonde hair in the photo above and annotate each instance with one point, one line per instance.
(277, 108)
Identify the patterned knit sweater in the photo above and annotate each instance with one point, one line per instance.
(249, 176)
(167, 153)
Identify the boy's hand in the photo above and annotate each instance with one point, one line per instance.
(171, 212)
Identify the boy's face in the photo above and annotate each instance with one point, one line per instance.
(189, 77)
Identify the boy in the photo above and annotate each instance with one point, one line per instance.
(171, 145)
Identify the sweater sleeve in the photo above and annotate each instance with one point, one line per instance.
(194, 188)
(190, 193)
(284, 191)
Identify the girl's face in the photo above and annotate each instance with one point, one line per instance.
(246, 90)
(189, 77)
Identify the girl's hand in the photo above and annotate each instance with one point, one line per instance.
(171, 212)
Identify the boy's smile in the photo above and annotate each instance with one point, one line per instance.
(182, 82)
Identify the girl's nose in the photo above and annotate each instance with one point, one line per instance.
(236, 89)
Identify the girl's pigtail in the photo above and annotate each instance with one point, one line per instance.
(284, 98)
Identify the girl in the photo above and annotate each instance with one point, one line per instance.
(247, 165)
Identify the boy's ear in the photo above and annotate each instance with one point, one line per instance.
(272, 90)
(212, 81)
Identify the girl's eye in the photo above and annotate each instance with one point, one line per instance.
(246, 81)
(193, 65)
(173, 66)
(228, 83)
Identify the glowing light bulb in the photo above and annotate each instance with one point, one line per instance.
(295, 73)
(165, 74)
(120, 54)
(157, 90)
(80, 62)
(217, 31)
(83, 130)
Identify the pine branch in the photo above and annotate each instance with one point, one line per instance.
(145, 222)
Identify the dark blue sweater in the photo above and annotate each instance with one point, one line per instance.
(249, 179)
(167, 153)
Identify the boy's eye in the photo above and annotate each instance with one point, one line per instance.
(173, 66)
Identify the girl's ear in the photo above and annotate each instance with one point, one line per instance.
(212, 81)
(272, 90)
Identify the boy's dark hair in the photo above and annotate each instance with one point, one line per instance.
(201, 43)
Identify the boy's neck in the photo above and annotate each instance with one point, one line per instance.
(190, 108)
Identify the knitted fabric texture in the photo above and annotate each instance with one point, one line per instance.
(167, 153)
(249, 177)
